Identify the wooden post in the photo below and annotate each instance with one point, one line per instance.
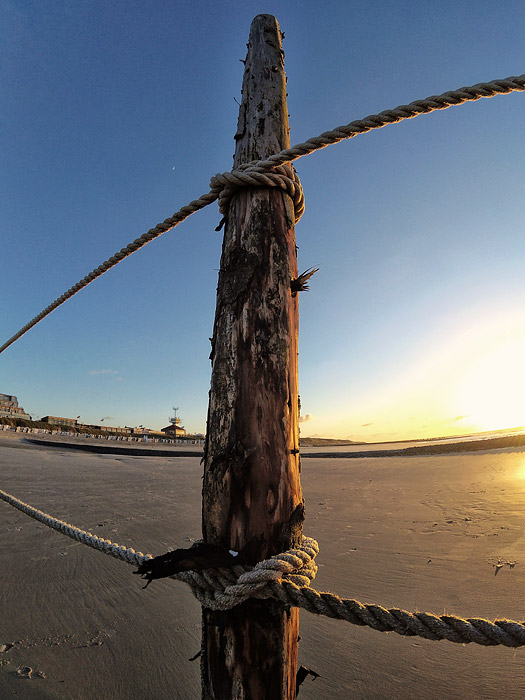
(252, 494)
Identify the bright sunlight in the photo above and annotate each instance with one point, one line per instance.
(492, 391)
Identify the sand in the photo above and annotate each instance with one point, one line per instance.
(418, 532)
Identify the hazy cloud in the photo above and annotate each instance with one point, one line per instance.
(306, 418)
(459, 418)
(365, 425)
(103, 371)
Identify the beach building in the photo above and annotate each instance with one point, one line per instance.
(174, 431)
(56, 420)
(9, 407)
(147, 432)
(109, 429)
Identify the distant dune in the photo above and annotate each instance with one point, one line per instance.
(326, 442)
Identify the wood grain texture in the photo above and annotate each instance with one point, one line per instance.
(252, 496)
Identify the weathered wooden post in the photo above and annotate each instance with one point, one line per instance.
(252, 493)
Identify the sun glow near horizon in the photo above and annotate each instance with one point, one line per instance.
(492, 391)
(469, 379)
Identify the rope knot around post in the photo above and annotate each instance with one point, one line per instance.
(282, 577)
(224, 588)
(285, 177)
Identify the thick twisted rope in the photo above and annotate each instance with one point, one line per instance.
(227, 181)
(394, 116)
(286, 577)
(223, 589)
(282, 176)
(130, 556)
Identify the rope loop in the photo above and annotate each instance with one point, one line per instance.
(296, 566)
(285, 177)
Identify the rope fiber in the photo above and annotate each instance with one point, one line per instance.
(286, 577)
(256, 174)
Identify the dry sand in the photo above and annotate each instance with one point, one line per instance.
(418, 532)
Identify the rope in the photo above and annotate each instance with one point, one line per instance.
(130, 556)
(223, 589)
(283, 177)
(286, 577)
(421, 624)
(226, 181)
(394, 116)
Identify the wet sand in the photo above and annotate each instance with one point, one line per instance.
(417, 532)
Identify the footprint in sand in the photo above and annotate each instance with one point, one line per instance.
(24, 671)
(28, 672)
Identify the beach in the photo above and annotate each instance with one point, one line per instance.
(439, 533)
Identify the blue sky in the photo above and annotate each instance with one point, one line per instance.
(114, 115)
